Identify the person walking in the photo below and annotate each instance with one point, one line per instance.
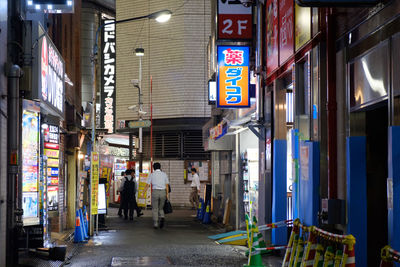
(121, 207)
(159, 182)
(128, 189)
(194, 195)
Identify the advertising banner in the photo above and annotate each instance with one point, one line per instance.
(94, 181)
(233, 77)
(272, 23)
(52, 197)
(108, 77)
(30, 204)
(51, 76)
(30, 148)
(143, 199)
(302, 25)
(53, 162)
(52, 153)
(286, 36)
(234, 20)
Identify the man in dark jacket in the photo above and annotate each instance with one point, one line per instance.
(128, 189)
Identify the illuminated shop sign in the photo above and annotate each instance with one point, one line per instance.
(51, 134)
(50, 6)
(233, 77)
(51, 76)
(329, 3)
(107, 109)
(219, 130)
(234, 20)
(30, 161)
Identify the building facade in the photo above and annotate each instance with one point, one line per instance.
(173, 86)
(325, 120)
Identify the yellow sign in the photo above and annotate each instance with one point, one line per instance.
(52, 162)
(303, 25)
(52, 153)
(94, 181)
(143, 199)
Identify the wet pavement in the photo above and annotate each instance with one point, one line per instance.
(182, 242)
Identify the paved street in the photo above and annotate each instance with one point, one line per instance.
(182, 242)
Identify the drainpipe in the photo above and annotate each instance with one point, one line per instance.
(331, 104)
(14, 181)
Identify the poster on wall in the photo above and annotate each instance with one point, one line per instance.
(30, 204)
(272, 23)
(302, 25)
(286, 35)
(52, 197)
(202, 167)
(30, 161)
(30, 148)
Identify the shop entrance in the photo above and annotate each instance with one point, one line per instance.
(376, 129)
(286, 124)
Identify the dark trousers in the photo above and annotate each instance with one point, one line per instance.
(121, 205)
(130, 205)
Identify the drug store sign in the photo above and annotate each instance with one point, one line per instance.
(233, 77)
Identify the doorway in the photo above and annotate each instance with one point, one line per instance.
(376, 129)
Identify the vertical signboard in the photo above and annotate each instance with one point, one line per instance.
(51, 77)
(95, 182)
(51, 138)
(286, 36)
(30, 162)
(272, 23)
(234, 20)
(302, 25)
(107, 107)
(144, 198)
(233, 77)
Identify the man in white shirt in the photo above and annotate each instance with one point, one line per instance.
(159, 182)
(194, 195)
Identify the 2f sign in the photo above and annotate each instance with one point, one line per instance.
(234, 20)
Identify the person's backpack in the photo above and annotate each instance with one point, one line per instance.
(129, 190)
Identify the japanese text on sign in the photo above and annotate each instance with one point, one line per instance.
(234, 20)
(286, 38)
(95, 181)
(108, 79)
(233, 77)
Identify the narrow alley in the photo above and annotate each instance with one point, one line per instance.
(182, 242)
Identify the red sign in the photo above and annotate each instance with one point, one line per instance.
(234, 20)
(286, 36)
(51, 145)
(272, 35)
